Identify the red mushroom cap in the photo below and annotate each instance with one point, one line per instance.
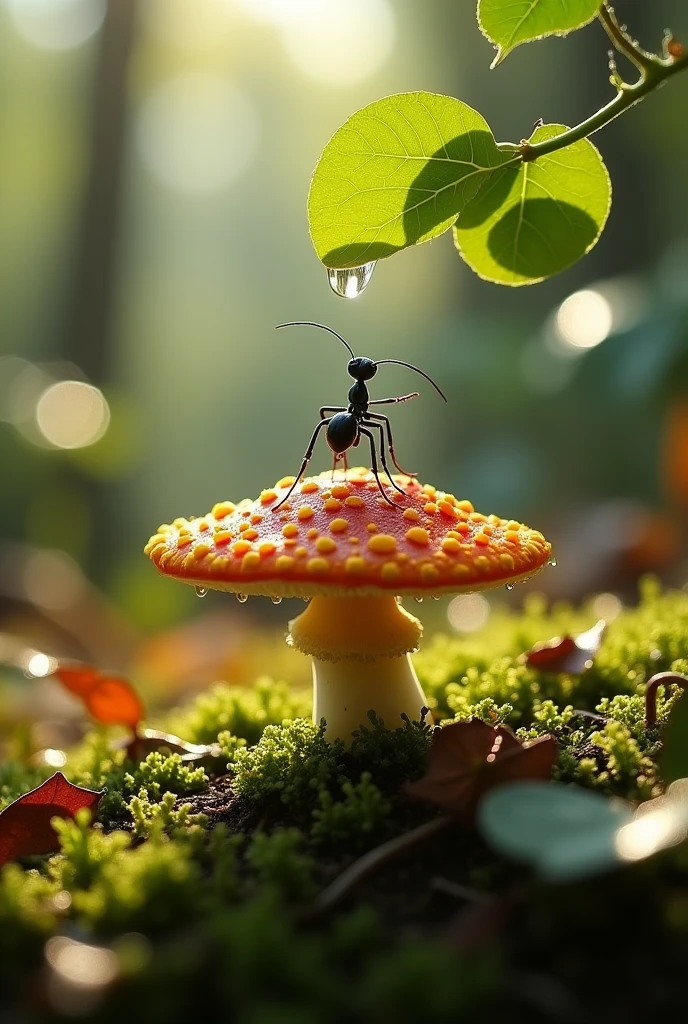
(342, 538)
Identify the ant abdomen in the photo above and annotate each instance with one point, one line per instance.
(342, 431)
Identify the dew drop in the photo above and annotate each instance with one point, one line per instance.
(242, 598)
(437, 597)
(508, 586)
(552, 561)
(201, 591)
(276, 600)
(351, 282)
(418, 600)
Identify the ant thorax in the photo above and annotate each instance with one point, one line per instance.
(358, 396)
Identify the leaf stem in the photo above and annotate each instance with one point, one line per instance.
(654, 71)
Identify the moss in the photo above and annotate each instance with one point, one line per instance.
(242, 711)
(161, 773)
(280, 866)
(292, 762)
(362, 814)
(149, 816)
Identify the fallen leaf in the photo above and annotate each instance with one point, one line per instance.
(147, 741)
(25, 827)
(566, 653)
(468, 758)
(108, 699)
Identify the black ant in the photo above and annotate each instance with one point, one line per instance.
(345, 427)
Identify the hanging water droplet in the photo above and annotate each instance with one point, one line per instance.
(552, 561)
(351, 282)
(418, 600)
(276, 600)
(508, 586)
(201, 591)
(437, 597)
(242, 598)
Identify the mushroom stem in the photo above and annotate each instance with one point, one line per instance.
(360, 648)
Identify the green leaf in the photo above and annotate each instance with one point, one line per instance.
(398, 173)
(563, 831)
(531, 220)
(508, 23)
(673, 763)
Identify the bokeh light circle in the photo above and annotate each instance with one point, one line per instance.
(71, 414)
(584, 319)
(57, 24)
(197, 133)
(339, 43)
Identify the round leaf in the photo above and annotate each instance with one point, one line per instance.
(508, 23)
(564, 832)
(396, 174)
(534, 219)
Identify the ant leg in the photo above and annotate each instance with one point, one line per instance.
(395, 401)
(346, 465)
(390, 441)
(376, 473)
(383, 458)
(306, 460)
(331, 408)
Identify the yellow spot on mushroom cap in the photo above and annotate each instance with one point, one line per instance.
(332, 505)
(382, 544)
(305, 512)
(339, 525)
(417, 535)
(325, 545)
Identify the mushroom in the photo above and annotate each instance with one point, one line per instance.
(338, 544)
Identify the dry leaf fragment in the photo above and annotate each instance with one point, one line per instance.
(566, 653)
(25, 827)
(468, 758)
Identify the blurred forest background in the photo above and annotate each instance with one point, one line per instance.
(154, 168)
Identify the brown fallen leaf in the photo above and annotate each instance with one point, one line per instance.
(566, 653)
(146, 741)
(108, 699)
(468, 758)
(25, 827)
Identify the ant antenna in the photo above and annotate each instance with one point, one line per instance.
(311, 323)
(400, 362)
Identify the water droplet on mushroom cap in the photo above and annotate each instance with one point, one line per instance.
(349, 283)
(200, 591)
(242, 598)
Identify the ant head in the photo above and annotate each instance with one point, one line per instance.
(361, 368)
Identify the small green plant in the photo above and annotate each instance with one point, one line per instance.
(405, 169)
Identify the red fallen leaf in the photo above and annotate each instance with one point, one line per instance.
(108, 699)
(566, 653)
(25, 827)
(468, 758)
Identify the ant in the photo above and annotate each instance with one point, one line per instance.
(348, 423)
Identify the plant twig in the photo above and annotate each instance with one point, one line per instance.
(654, 71)
(372, 861)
